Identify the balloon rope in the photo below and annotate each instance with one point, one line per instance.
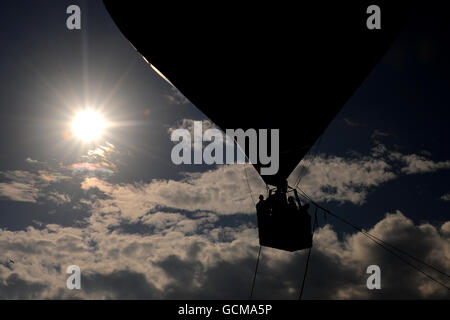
(256, 271)
(309, 255)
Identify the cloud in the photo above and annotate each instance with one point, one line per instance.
(379, 133)
(13, 287)
(26, 186)
(20, 176)
(351, 179)
(196, 237)
(332, 178)
(58, 198)
(223, 191)
(29, 160)
(91, 167)
(17, 191)
(98, 161)
(21, 186)
(49, 177)
(427, 242)
(420, 164)
(351, 123)
(38, 185)
(176, 97)
(410, 163)
(188, 124)
(216, 262)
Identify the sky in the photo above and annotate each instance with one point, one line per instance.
(140, 227)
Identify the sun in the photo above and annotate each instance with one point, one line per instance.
(88, 125)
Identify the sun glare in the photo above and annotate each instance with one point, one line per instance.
(88, 125)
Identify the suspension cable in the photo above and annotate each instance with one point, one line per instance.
(309, 254)
(256, 271)
(382, 243)
(248, 184)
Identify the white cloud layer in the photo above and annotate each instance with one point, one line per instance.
(223, 191)
(214, 262)
(170, 238)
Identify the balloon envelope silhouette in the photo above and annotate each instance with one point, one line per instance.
(263, 65)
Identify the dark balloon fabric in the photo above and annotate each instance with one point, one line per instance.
(264, 65)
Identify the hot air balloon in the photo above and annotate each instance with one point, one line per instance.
(264, 65)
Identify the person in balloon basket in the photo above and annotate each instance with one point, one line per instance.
(276, 203)
(262, 206)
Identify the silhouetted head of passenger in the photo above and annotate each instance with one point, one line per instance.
(261, 197)
(291, 199)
